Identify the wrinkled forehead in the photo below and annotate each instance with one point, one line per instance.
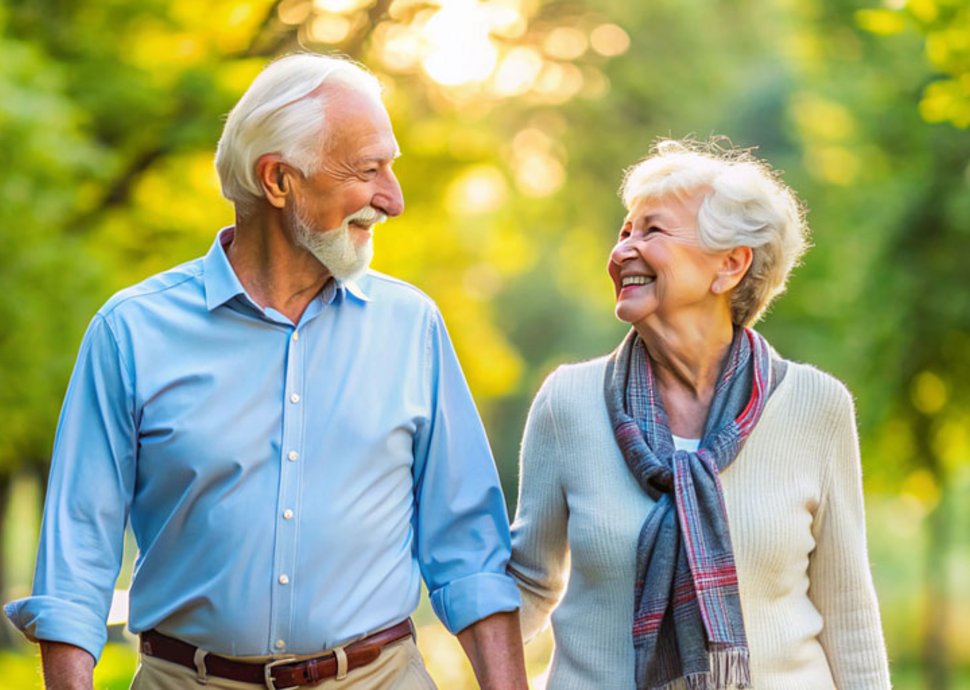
(357, 119)
(666, 202)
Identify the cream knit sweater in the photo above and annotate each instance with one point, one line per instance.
(794, 503)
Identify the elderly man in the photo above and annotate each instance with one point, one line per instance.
(289, 434)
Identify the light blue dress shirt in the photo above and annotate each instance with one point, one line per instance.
(287, 485)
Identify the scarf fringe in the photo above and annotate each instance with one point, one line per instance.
(730, 670)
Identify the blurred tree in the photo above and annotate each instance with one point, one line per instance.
(944, 26)
(44, 152)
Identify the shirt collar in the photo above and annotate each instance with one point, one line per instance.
(222, 284)
(354, 289)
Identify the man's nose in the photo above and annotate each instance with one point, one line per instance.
(389, 199)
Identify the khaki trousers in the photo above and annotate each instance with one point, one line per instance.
(399, 667)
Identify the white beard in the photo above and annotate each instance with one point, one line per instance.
(335, 248)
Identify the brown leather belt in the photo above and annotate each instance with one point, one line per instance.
(280, 673)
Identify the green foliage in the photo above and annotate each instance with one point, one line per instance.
(943, 25)
(46, 154)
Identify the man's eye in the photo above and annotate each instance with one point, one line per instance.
(624, 234)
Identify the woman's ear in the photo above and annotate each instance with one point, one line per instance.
(734, 264)
(272, 172)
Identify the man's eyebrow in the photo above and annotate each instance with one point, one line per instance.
(378, 158)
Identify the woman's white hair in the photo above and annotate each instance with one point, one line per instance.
(745, 204)
(282, 112)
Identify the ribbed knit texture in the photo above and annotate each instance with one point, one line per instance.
(795, 509)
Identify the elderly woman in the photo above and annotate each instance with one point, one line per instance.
(690, 510)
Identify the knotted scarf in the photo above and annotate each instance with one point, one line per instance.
(687, 618)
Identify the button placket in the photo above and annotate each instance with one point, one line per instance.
(284, 562)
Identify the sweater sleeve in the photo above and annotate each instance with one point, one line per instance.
(840, 580)
(540, 550)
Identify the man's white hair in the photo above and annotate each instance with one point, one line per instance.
(744, 205)
(282, 112)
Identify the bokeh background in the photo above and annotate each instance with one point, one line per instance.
(517, 118)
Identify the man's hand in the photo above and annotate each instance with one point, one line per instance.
(66, 667)
(494, 646)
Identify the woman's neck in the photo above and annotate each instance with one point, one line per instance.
(687, 359)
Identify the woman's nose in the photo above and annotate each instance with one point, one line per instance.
(622, 251)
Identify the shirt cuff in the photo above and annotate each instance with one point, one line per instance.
(57, 620)
(470, 599)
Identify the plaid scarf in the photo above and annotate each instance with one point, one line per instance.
(687, 619)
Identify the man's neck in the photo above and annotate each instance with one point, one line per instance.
(275, 272)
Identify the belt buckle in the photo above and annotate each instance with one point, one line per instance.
(268, 673)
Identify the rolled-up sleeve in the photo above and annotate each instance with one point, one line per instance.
(461, 524)
(88, 497)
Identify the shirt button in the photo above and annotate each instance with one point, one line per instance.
(284, 580)
(296, 335)
(287, 514)
(293, 456)
(295, 398)
(280, 644)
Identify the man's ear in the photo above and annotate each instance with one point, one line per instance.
(272, 172)
(734, 265)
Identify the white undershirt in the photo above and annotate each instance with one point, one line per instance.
(689, 444)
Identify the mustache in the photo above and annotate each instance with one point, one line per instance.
(367, 216)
